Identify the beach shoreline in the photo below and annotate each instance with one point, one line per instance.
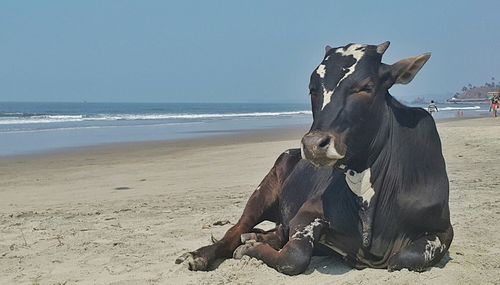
(211, 137)
(122, 213)
(37, 128)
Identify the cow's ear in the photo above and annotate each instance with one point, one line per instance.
(403, 71)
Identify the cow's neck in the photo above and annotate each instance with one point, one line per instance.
(396, 146)
(381, 126)
(405, 140)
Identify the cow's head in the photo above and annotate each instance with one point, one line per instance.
(348, 94)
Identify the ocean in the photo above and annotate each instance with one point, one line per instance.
(27, 127)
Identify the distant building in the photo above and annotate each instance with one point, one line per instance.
(481, 94)
(493, 93)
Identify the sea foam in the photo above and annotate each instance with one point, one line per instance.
(9, 119)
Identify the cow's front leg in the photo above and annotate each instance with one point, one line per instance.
(262, 205)
(366, 214)
(275, 238)
(295, 256)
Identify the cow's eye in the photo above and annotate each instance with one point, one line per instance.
(367, 89)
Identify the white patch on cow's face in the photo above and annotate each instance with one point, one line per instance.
(431, 247)
(360, 184)
(331, 151)
(357, 51)
(307, 231)
(327, 95)
(321, 70)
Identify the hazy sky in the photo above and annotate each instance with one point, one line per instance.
(230, 51)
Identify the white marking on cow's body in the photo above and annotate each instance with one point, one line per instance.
(360, 184)
(307, 231)
(321, 70)
(287, 151)
(357, 51)
(331, 151)
(431, 247)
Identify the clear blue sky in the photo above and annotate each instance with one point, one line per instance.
(230, 51)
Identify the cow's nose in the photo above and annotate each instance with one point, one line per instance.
(316, 143)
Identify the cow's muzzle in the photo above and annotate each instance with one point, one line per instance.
(321, 149)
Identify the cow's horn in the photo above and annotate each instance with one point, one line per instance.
(327, 48)
(381, 48)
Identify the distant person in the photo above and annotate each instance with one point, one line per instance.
(432, 108)
(494, 105)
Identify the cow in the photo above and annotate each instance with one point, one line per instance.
(368, 183)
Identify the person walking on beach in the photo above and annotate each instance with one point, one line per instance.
(432, 108)
(494, 105)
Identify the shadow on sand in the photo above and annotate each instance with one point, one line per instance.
(335, 265)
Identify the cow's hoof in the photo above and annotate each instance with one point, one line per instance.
(195, 263)
(183, 257)
(248, 237)
(243, 249)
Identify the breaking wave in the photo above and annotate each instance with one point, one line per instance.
(459, 108)
(22, 118)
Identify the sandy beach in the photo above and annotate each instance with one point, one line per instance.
(121, 214)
